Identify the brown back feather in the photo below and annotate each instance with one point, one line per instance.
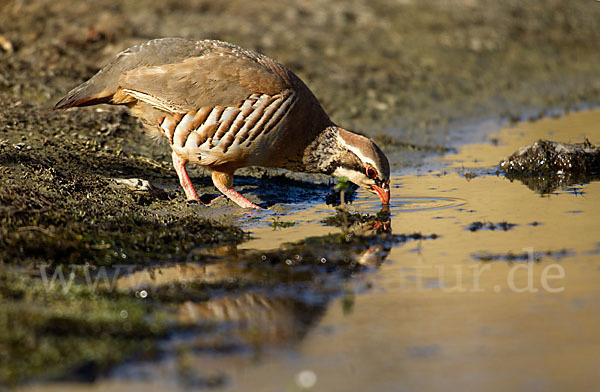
(182, 74)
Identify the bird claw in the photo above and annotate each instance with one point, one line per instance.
(209, 198)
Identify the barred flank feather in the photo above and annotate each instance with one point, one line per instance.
(215, 130)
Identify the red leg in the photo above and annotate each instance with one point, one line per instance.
(184, 179)
(223, 182)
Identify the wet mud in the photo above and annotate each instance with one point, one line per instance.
(475, 226)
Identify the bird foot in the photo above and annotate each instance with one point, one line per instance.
(209, 198)
(236, 197)
(224, 183)
(239, 199)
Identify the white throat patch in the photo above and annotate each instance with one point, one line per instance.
(353, 176)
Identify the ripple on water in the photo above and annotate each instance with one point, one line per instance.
(408, 203)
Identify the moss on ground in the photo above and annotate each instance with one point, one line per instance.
(50, 333)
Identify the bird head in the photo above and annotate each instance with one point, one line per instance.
(361, 161)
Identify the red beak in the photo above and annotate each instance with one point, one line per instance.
(383, 192)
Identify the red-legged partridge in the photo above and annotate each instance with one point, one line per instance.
(225, 107)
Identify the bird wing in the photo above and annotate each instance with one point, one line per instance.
(180, 74)
(215, 79)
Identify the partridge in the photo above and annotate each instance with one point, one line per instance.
(225, 107)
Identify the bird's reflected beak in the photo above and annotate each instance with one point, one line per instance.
(383, 192)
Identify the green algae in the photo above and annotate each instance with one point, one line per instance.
(48, 333)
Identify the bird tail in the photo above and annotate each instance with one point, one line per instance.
(84, 95)
(103, 87)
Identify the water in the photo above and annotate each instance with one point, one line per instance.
(473, 307)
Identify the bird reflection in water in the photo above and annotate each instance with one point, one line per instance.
(266, 298)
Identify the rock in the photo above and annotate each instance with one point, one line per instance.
(546, 165)
(136, 184)
(6, 45)
(142, 187)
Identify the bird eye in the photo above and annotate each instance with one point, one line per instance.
(371, 172)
